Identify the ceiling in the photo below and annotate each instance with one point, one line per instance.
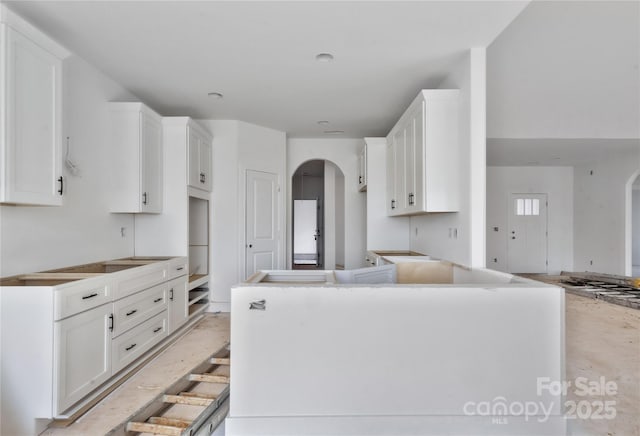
(261, 55)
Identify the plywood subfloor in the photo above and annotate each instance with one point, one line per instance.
(206, 337)
(603, 340)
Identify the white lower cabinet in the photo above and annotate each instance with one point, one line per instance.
(134, 343)
(66, 338)
(178, 303)
(82, 355)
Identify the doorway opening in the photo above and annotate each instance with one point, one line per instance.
(318, 216)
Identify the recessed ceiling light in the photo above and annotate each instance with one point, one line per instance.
(333, 132)
(324, 57)
(323, 123)
(215, 95)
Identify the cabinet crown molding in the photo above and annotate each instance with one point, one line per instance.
(15, 21)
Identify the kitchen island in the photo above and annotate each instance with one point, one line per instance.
(472, 352)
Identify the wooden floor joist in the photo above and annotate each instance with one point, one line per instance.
(189, 401)
(195, 394)
(171, 422)
(145, 427)
(209, 378)
(162, 417)
(220, 361)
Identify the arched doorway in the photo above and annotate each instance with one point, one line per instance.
(317, 188)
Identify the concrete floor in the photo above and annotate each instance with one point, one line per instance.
(602, 340)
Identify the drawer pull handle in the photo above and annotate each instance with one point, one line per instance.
(258, 305)
(111, 322)
(157, 300)
(130, 347)
(132, 312)
(156, 330)
(180, 268)
(86, 297)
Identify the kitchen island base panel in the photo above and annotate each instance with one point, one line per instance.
(320, 355)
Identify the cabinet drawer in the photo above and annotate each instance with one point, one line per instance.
(132, 310)
(137, 279)
(129, 346)
(177, 267)
(83, 295)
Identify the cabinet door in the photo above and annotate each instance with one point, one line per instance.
(409, 166)
(418, 159)
(399, 178)
(178, 303)
(31, 145)
(206, 176)
(391, 171)
(151, 164)
(193, 158)
(362, 170)
(82, 355)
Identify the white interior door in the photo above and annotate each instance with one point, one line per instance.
(305, 232)
(261, 222)
(527, 233)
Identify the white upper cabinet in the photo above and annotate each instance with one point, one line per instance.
(136, 151)
(422, 156)
(30, 114)
(199, 158)
(362, 169)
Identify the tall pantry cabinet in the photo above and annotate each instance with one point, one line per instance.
(184, 222)
(30, 114)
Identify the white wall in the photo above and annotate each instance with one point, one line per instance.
(557, 183)
(601, 214)
(329, 209)
(430, 233)
(82, 230)
(340, 218)
(344, 154)
(546, 70)
(635, 229)
(237, 147)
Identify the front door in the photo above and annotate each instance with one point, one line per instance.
(261, 232)
(527, 233)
